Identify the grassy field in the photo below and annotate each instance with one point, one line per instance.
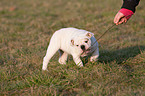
(25, 30)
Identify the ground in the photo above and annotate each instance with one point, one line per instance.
(25, 30)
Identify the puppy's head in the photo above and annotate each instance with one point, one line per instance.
(82, 43)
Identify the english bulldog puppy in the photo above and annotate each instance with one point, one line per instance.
(73, 41)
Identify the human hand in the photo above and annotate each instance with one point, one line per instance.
(120, 18)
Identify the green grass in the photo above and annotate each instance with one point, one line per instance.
(25, 30)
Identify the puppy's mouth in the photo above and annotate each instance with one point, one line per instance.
(88, 50)
(85, 52)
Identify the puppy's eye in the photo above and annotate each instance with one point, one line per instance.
(77, 45)
(86, 41)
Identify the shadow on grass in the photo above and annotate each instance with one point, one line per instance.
(120, 55)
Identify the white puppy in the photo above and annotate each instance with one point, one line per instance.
(72, 41)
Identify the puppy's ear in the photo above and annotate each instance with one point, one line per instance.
(89, 34)
(72, 42)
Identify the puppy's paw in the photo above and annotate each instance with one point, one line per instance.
(44, 67)
(94, 58)
(44, 70)
(80, 64)
(61, 61)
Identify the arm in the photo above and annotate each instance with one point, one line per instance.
(130, 4)
(126, 11)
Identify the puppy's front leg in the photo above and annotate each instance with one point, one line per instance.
(95, 55)
(78, 61)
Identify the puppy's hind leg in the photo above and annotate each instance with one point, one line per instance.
(62, 57)
(51, 50)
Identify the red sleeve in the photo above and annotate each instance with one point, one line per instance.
(127, 13)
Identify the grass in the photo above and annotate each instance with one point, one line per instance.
(25, 30)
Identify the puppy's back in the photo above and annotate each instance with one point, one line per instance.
(70, 32)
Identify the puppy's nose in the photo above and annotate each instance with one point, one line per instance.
(83, 47)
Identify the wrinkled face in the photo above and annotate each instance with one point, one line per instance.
(82, 44)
